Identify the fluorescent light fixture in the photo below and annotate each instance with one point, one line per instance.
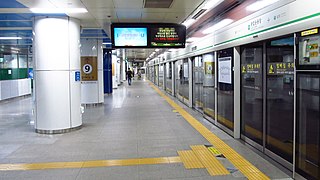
(10, 38)
(107, 43)
(58, 10)
(217, 26)
(191, 39)
(260, 4)
(211, 4)
(188, 22)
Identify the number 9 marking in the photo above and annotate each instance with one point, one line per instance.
(87, 68)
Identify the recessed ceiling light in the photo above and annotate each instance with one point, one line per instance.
(58, 10)
(10, 38)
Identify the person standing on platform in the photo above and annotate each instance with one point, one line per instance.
(129, 76)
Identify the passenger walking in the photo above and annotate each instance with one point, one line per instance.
(129, 76)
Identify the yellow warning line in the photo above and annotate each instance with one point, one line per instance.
(237, 160)
(90, 164)
(213, 165)
(190, 160)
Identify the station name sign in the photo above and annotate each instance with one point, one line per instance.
(148, 35)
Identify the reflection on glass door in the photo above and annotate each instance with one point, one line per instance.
(169, 77)
(156, 74)
(161, 75)
(251, 92)
(209, 86)
(280, 88)
(308, 104)
(225, 88)
(182, 80)
(198, 83)
(308, 126)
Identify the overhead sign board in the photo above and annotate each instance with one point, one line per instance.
(148, 35)
(168, 36)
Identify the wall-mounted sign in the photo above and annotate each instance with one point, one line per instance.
(225, 70)
(89, 68)
(309, 32)
(77, 76)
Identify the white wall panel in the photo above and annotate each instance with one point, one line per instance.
(89, 92)
(101, 92)
(14, 88)
(92, 92)
(6, 89)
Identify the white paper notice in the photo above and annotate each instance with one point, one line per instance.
(224, 70)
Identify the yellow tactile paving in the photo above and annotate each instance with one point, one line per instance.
(213, 165)
(190, 160)
(255, 176)
(236, 159)
(89, 164)
(175, 159)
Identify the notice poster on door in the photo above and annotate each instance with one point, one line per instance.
(225, 70)
(89, 68)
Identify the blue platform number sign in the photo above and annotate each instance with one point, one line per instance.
(77, 76)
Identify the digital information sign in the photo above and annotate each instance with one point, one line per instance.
(168, 36)
(130, 37)
(148, 35)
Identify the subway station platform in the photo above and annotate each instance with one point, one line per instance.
(138, 133)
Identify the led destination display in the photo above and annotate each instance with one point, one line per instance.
(168, 36)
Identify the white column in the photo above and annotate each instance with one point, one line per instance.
(92, 91)
(56, 61)
(237, 94)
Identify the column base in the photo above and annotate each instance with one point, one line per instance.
(59, 131)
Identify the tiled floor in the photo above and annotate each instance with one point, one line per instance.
(134, 122)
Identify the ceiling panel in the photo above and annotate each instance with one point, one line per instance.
(128, 4)
(103, 13)
(153, 16)
(186, 4)
(128, 14)
(67, 3)
(175, 17)
(98, 3)
(89, 24)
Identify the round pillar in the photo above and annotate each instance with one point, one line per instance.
(56, 44)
